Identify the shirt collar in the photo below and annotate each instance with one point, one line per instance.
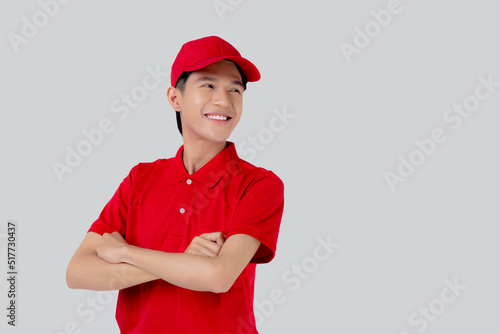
(209, 174)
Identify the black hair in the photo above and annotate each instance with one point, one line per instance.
(181, 85)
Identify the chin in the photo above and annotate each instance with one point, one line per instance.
(219, 138)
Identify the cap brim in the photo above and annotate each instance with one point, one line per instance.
(250, 70)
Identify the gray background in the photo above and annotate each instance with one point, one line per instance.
(352, 122)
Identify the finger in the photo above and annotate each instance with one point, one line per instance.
(116, 236)
(208, 252)
(216, 237)
(209, 244)
(104, 239)
(197, 249)
(109, 235)
(220, 239)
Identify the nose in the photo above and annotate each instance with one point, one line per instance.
(221, 97)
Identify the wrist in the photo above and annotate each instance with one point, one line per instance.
(125, 253)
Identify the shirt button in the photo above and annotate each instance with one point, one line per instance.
(182, 210)
(188, 181)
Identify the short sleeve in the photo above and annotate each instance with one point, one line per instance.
(259, 213)
(113, 217)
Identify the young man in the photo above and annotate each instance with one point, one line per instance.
(181, 237)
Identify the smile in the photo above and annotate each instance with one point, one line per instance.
(218, 117)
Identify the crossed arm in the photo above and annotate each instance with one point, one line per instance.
(210, 263)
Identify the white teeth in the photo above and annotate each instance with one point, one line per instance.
(217, 117)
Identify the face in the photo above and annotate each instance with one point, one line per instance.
(211, 104)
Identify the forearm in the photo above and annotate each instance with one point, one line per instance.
(187, 270)
(194, 272)
(90, 272)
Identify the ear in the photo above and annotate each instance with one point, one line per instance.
(174, 98)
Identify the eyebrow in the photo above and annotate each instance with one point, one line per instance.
(212, 79)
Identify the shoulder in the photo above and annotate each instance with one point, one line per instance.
(157, 164)
(260, 177)
(144, 170)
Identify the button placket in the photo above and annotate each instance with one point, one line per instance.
(186, 193)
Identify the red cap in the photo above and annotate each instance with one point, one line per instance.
(202, 52)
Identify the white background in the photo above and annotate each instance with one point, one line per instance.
(352, 122)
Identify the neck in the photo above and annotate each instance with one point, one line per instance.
(197, 154)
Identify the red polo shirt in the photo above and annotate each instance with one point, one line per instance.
(160, 206)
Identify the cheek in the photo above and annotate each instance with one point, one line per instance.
(196, 100)
(239, 110)
(238, 114)
(237, 103)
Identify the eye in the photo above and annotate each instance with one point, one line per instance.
(235, 90)
(208, 86)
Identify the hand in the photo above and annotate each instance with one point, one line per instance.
(110, 247)
(207, 244)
